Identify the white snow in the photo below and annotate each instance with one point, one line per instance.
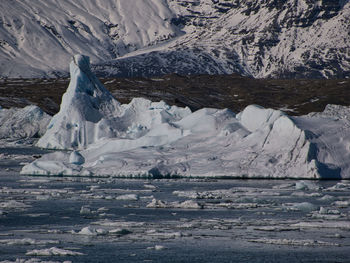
(27, 122)
(153, 139)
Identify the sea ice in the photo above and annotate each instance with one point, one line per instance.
(157, 204)
(341, 204)
(293, 242)
(188, 204)
(85, 210)
(27, 241)
(119, 231)
(157, 247)
(128, 197)
(12, 204)
(153, 139)
(54, 251)
(303, 185)
(324, 224)
(89, 231)
(304, 206)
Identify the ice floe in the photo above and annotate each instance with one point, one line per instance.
(293, 242)
(157, 247)
(324, 224)
(89, 231)
(304, 185)
(12, 204)
(53, 251)
(27, 241)
(188, 204)
(304, 206)
(153, 139)
(128, 197)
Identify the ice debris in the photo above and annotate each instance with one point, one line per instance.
(304, 206)
(294, 242)
(303, 185)
(12, 204)
(157, 247)
(54, 251)
(153, 139)
(27, 241)
(188, 204)
(89, 231)
(128, 197)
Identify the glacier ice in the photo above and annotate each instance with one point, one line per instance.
(86, 111)
(27, 122)
(153, 139)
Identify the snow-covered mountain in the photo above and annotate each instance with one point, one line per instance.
(285, 38)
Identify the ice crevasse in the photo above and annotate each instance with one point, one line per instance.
(153, 139)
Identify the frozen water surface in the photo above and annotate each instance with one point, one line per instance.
(89, 219)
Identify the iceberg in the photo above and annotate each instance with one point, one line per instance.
(21, 123)
(152, 139)
(86, 112)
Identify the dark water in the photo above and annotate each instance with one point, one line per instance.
(239, 220)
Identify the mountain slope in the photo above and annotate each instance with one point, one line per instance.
(41, 36)
(286, 38)
(283, 38)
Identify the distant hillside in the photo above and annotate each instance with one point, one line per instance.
(296, 97)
